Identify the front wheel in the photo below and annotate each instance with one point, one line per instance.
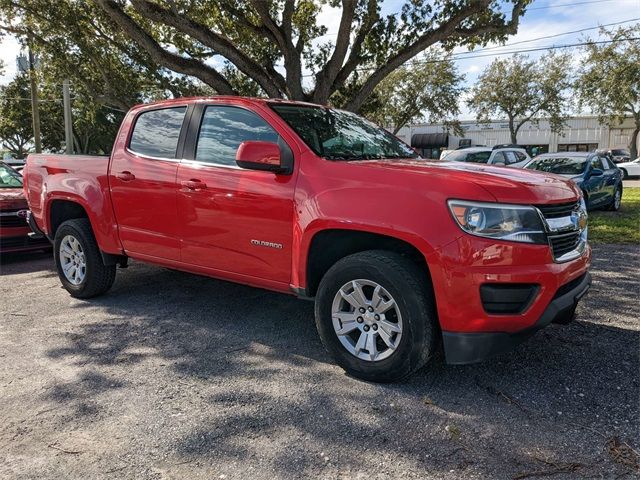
(78, 261)
(625, 174)
(376, 317)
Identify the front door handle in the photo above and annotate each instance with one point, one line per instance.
(193, 184)
(125, 176)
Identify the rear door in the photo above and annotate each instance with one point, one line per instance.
(142, 177)
(232, 219)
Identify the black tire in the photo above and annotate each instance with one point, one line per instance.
(625, 174)
(614, 206)
(98, 277)
(410, 288)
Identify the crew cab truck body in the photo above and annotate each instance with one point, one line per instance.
(398, 252)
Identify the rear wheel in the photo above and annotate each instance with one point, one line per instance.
(617, 200)
(375, 316)
(78, 261)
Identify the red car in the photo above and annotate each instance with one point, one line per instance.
(399, 253)
(14, 230)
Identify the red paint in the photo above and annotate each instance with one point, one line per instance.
(210, 219)
(263, 153)
(13, 227)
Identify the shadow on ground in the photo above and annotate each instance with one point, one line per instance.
(260, 388)
(221, 374)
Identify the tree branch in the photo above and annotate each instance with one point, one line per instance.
(161, 56)
(274, 87)
(449, 28)
(326, 77)
(355, 58)
(284, 41)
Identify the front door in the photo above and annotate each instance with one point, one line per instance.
(231, 219)
(142, 178)
(595, 184)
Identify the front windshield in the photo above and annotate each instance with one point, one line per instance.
(9, 178)
(340, 135)
(559, 165)
(466, 156)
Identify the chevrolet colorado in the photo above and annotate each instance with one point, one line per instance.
(399, 253)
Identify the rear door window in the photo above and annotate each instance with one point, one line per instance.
(596, 162)
(499, 158)
(521, 156)
(156, 132)
(511, 157)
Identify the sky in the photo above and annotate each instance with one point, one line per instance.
(543, 18)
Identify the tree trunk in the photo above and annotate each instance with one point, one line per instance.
(513, 131)
(633, 147)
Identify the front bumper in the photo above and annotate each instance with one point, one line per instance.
(465, 347)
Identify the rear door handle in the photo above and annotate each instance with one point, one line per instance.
(125, 176)
(193, 184)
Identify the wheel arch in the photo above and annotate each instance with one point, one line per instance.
(61, 210)
(328, 246)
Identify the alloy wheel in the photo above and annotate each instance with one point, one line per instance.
(367, 320)
(72, 260)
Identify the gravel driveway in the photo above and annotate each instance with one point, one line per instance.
(172, 375)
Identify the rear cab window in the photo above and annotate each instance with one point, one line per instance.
(156, 132)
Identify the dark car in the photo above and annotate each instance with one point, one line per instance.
(615, 155)
(598, 178)
(14, 231)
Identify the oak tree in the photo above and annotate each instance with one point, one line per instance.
(278, 45)
(609, 79)
(523, 90)
(428, 90)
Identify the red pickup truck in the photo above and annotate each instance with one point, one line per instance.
(399, 253)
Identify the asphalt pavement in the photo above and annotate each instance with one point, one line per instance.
(172, 375)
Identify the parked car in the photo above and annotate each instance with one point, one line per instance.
(599, 180)
(630, 169)
(616, 155)
(14, 231)
(399, 253)
(509, 156)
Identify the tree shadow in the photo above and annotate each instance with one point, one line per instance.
(268, 393)
(27, 262)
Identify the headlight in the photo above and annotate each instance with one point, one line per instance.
(515, 223)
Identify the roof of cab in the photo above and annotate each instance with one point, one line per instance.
(222, 98)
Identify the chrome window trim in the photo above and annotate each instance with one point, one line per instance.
(211, 164)
(149, 157)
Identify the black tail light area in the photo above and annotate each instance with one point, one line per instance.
(511, 298)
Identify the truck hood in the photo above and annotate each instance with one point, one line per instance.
(505, 184)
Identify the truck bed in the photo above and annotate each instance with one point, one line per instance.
(77, 178)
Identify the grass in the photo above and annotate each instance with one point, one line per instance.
(622, 226)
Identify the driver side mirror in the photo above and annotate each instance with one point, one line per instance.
(596, 172)
(259, 155)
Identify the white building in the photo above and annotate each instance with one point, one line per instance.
(582, 134)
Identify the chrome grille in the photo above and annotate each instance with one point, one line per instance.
(10, 219)
(565, 243)
(566, 237)
(558, 210)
